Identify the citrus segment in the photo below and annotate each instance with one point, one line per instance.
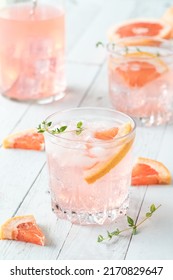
(150, 172)
(22, 228)
(29, 139)
(155, 28)
(102, 168)
(108, 134)
(140, 69)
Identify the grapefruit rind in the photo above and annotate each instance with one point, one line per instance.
(165, 33)
(162, 176)
(102, 168)
(8, 229)
(36, 141)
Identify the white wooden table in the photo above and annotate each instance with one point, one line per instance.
(23, 174)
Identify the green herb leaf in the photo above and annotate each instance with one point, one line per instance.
(98, 44)
(126, 49)
(49, 123)
(79, 124)
(130, 221)
(134, 231)
(100, 238)
(116, 232)
(132, 225)
(152, 208)
(138, 49)
(148, 214)
(63, 128)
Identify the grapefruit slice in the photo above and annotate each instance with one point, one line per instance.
(140, 68)
(150, 172)
(22, 228)
(168, 18)
(155, 28)
(107, 134)
(100, 169)
(29, 139)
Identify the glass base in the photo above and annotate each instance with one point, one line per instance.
(46, 100)
(95, 218)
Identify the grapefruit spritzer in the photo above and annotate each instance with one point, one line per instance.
(140, 78)
(89, 154)
(32, 51)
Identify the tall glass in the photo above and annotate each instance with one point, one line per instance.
(90, 167)
(141, 78)
(32, 50)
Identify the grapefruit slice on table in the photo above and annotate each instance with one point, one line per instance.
(140, 68)
(150, 172)
(100, 169)
(29, 139)
(155, 28)
(22, 228)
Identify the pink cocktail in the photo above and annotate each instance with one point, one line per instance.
(89, 163)
(32, 52)
(140, 78)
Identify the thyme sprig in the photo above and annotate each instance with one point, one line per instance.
(45, 126)
(133, 226)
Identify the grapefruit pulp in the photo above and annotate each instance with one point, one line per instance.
(150, 172)
(29, 139)
(154, 28)
(22, 228)
(140, 68)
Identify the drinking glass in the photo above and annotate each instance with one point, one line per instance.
(140, 73)
(32, 50)
(89, 163)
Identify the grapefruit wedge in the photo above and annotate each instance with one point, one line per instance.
(155, 28)
(100, 169)
(107, 134)
(29, 139)
(150, 172)
(22, 228)
(140, 68)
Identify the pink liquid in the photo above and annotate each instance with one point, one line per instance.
(72, 196)
(152, 100)
(32, 52)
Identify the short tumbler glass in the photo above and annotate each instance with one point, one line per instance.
(89, 164)
(140, 73)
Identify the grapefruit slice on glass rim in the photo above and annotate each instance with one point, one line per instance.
(22, 228)
(149, 172)
(155, 28)
(28, 139)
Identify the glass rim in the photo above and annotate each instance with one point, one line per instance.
(167, 45)
(59, 136)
